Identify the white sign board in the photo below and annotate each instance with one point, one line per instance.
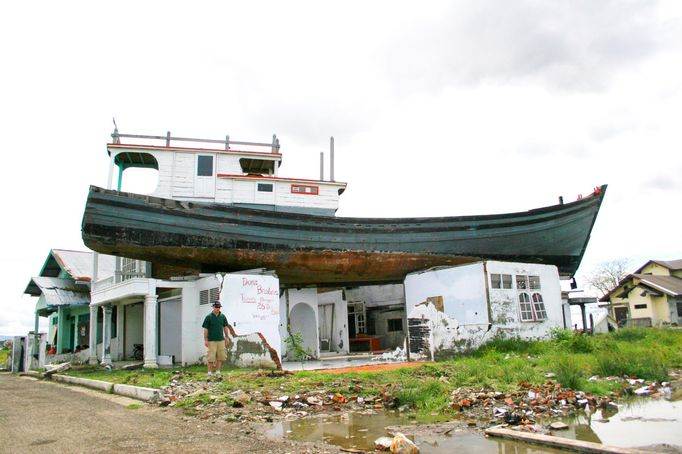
(251, 305)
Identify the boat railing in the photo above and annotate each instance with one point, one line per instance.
(227, 142)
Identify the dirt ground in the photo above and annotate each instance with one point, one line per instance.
(373, 367)
(43, 416)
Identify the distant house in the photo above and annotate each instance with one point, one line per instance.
(63, 291)
(652, 295)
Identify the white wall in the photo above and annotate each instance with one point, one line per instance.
(134, 327)
(251, 304)
(303, 316)
(339, 340)
(473, 312)
(170, 322)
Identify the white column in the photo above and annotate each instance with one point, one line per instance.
(93, 335)
(106, 335)
(150, 309)
(120, 333)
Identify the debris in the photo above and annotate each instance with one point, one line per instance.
(277, 405)
(644, 390)
(558, 425)
(53, 369)
(396, 355)
(383, 443)
(403, 445)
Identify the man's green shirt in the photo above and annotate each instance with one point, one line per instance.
(215, 325)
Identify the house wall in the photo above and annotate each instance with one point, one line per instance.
(655, 269)
(672, 309)
(193, 314)
(170, 332)
(252, 306)
(303, 317)
(471, 312)
(133, 326)
(339, 340)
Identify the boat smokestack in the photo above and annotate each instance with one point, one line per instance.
(321, 166)
(331, 158)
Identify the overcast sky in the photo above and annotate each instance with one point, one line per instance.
(437, 108)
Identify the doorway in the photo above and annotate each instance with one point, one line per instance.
(621, 315)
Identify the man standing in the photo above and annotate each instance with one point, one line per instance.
(216, 339)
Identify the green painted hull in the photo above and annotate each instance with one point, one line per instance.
(318, 250)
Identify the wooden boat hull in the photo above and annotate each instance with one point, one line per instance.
(321, 250)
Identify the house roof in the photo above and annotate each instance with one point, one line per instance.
(672, 265)
(669, 285)
(77, 264)
(60, 292)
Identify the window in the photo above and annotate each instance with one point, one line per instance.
(205, 166)
(539, 307)
(209, 295)
(532, 304)
(395, 324)
(264, 187)
(640, 306)
(501, 281)
(303, 189)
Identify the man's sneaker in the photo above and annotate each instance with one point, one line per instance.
(209, 377)
(218, 376)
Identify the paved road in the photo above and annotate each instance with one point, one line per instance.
(43, 416)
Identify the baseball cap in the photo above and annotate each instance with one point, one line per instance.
(216, 304)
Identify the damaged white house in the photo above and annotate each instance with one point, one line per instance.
(456, 309)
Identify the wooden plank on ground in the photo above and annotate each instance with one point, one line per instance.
(561, 443)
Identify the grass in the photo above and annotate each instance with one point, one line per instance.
(501, 365)
(4, 356)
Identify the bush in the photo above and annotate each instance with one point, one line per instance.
(425, 396)
(568, 373)
(630, 334)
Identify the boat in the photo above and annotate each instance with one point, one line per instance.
(305, 249)
(226, 210)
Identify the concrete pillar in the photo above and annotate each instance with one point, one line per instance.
(584, 317)
(61, 328)
(120, 331)
(150, 323)
(106, 334)
(93, 335)
(35, 333)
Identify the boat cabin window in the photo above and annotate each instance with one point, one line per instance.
(265, 187)
(205, 166)
(500, 281)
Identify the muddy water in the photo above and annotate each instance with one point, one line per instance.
(638, 424)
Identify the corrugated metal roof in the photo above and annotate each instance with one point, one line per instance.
(77, 264)
(61, 292)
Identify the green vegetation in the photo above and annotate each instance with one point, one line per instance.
(500, 365)
(4, 356)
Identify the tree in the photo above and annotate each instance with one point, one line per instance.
(607, 275)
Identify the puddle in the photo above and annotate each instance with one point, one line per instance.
(638, 424)
(358, 431)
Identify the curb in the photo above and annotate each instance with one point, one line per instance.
(134, 392)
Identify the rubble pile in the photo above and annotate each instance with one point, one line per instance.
(521, 407)
(210, 400)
